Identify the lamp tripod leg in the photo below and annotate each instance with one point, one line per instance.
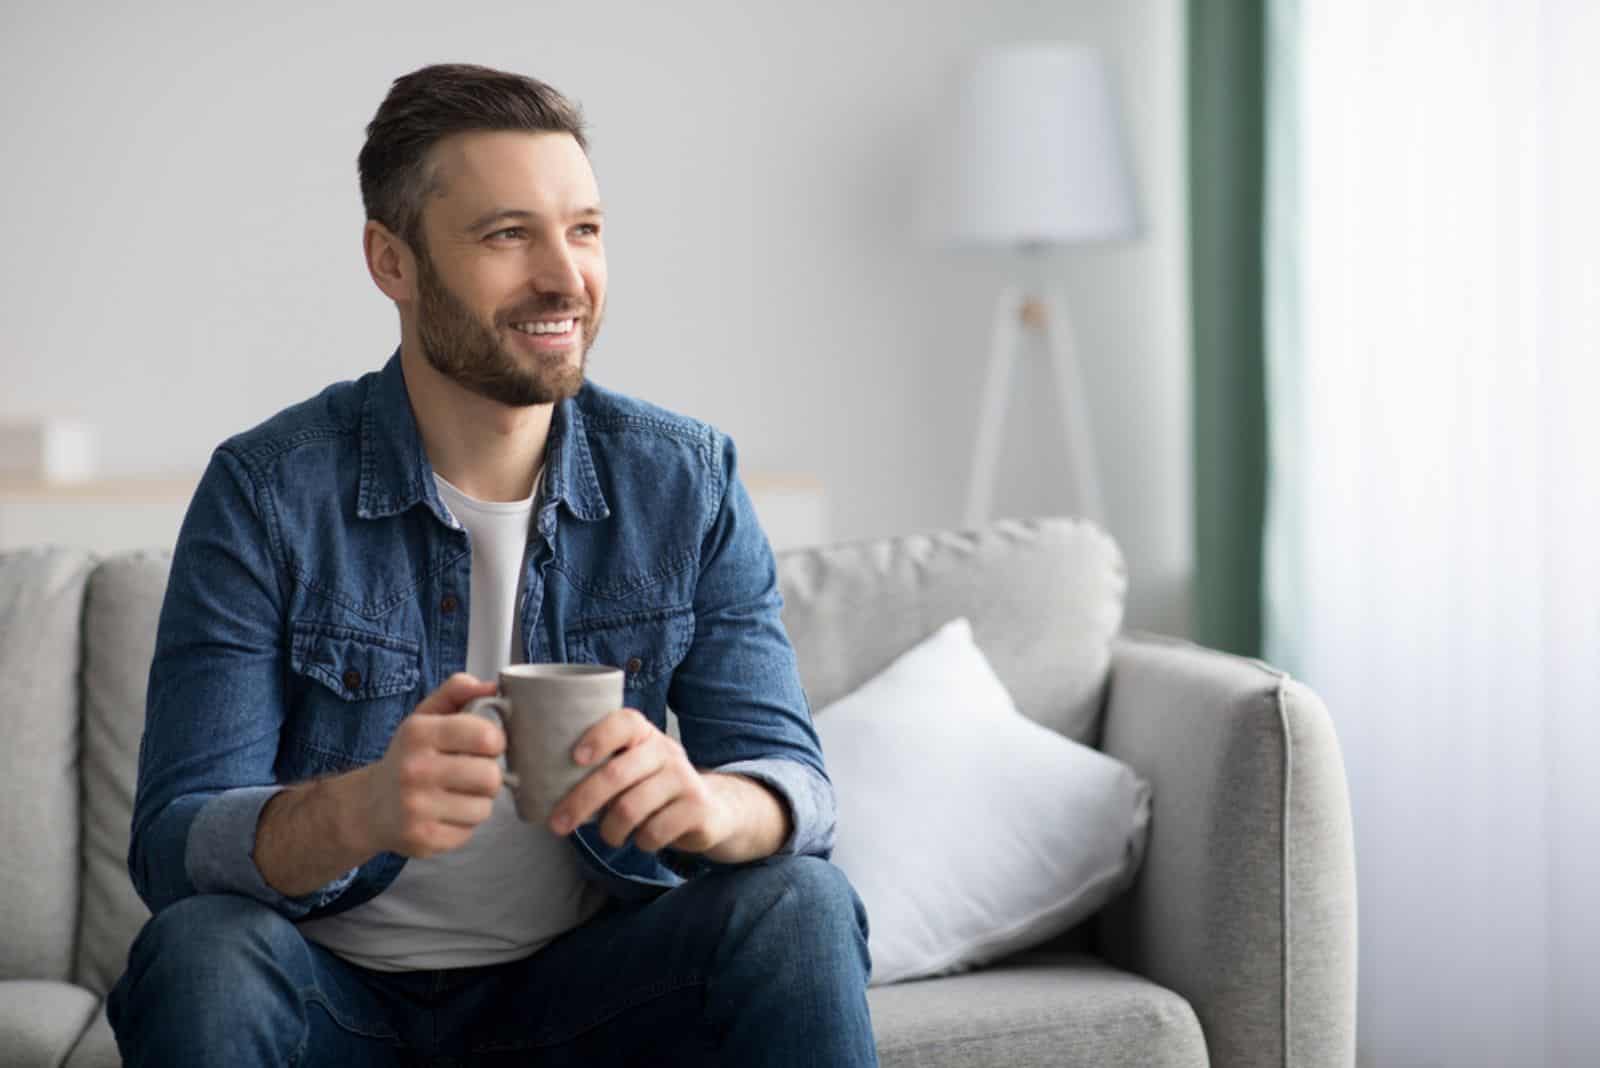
(1069, 388)
(997, 381)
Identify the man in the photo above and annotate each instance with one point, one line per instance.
(336, 875)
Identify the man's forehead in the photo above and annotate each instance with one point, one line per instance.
(535, 172)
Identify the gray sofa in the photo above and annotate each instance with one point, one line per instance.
(1235, 947)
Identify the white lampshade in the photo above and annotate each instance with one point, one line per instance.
(1032, 153)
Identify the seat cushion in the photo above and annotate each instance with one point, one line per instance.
(40, 1021)
(1044, 597)
(98, 1046)
(1040, 1009)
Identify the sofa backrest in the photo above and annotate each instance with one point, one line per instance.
(121, 609)
(41, 610)
(1044, 598)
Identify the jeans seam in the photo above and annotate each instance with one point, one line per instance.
(313, 996)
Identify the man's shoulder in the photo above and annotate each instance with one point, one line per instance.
(331, 417)
(624, 421)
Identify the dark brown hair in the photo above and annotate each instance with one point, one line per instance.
(430, 104)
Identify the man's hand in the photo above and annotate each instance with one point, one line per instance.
(649, 790)
(438, 779)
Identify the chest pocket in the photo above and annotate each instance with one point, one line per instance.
(355, 688)
(646, 645)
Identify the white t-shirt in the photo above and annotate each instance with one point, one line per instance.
(514, 886)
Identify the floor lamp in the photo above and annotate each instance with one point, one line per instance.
(1035, 163)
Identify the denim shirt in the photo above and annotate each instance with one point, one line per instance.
(319, 591)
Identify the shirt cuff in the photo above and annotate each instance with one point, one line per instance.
(219, 853)
(808, 796)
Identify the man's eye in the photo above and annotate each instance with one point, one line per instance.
(593, 228)
(507, 230)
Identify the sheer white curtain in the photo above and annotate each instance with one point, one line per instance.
(1434, 520)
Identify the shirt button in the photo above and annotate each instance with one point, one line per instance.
(352, 680)
(448, 605)
(634, 664)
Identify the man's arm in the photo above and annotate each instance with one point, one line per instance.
(762, 823)
(436, 782)
(308, 836)
(756, 785)
(737, 694)
(215, 704)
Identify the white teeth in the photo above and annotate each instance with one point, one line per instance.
(560, 327)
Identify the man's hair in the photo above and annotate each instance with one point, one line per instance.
(427, 105)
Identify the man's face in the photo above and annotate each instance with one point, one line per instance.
(513, 246)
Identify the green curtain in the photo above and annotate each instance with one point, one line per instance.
(1226, 82)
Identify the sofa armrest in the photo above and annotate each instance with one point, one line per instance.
(1246, 902)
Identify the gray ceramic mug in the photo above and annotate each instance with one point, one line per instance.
(545, 709)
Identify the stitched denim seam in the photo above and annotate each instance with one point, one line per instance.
(265, 451)
(267, 513)
(306, 629)
(716, 495)
(584, 627)
(387, 686)
(684, 637)
(313, 996)
(383, 607)
(673, 567)
(688, 431)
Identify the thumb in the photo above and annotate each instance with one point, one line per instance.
(454, 693)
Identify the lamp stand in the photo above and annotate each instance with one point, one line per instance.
(1013, 310)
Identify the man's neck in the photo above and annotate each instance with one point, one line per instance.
(481, 447)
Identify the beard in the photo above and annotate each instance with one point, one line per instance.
(459, 346)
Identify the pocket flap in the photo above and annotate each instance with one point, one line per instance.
(357, 665)
(645, 645)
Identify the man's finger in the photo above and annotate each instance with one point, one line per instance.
(455, 692)
(669, 826)
(621, 728)
(470, 775)
(470, 735)
(601, 785)
(636, 806)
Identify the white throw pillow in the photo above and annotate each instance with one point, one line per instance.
(970, 831)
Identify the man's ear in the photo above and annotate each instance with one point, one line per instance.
(389, 261)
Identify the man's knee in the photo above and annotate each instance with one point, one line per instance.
(813, 897)
(210, 945)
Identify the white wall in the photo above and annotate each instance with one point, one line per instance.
(182, 235)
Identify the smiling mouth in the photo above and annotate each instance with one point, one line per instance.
(546, 327)
(547, 335)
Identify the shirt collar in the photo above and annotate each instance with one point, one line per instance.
(396, 474)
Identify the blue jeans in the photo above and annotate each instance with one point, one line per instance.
(765, 964)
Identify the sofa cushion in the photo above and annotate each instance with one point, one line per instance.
(1044, 596)
(1039, 1009)
(98, 1046)
(41, 1020)
(970, 831)
(121, 609)
(41, 605)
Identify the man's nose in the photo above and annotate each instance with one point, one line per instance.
(556, 271)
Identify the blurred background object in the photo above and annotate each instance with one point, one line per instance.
(1035, 162)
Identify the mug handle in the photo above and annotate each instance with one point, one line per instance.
(481, 706)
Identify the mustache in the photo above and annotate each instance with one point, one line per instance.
(532, 311)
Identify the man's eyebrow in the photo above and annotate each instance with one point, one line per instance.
(494, 215)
